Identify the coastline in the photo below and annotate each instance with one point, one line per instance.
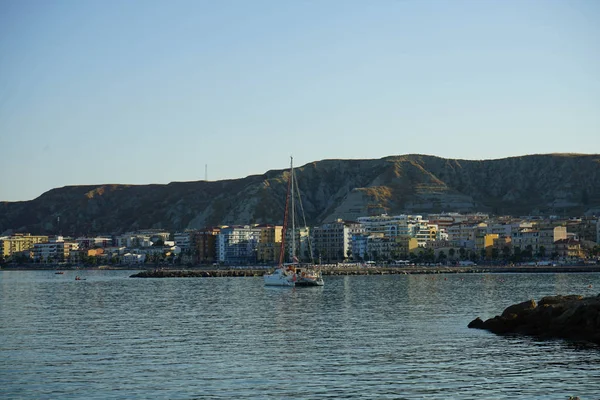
(336, 271)
(162, 271)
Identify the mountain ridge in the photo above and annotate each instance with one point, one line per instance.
(559, 183)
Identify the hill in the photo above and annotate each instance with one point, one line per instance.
(564, 184)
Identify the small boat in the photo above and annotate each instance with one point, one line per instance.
(59, 273)
(78, 278)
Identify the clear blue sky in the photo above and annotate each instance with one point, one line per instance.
(142, 91)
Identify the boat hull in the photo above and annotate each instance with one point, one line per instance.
(280, 278)
(310, 282)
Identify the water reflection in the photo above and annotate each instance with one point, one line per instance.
(359, 336)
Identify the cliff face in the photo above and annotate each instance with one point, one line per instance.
(537, 184)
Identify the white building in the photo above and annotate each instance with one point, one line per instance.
(55, 250)
(184, 240)
(238, 244)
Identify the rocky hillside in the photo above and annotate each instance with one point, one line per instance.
(538, 184)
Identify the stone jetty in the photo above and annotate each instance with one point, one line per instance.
(568, 317)
(327, 271)
(332, 270)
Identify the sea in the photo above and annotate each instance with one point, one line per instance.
(110, 336)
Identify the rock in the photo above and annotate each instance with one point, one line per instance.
(569, 317)
(477, 323)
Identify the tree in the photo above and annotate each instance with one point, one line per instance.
(451, 253)
(463, 253)
(517, 254)
(542, 251)
(506, 252)
(528, 253)
(495, 253)
(441, 257)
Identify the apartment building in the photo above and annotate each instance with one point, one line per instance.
(269, 244)
(205, 245)
(55, 250)
(238, 244)
(332, 241)
(569, 248)
(18, 243)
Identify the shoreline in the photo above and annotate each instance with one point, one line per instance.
(224, 271)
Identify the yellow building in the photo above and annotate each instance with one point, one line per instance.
(19, 242)
(406, 245)
(269, 244)
(488, 243)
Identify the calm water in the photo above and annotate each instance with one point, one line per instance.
(368, 337)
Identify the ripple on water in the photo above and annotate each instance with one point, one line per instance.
(376, 337)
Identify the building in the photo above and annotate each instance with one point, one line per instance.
(333, 241)
(93, 242)
(548, 236)
(388, 226)
(55, 250)
(269, 244)
(205, 245)
(526, 239)
(238, 244)
(19, 243)
(569, 249)
(184, 240)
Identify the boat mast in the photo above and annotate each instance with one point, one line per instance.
(284, 228)
(293, 210)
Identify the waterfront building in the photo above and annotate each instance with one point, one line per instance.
(501, 229)
(143, 238)
(19, 242)
(526, 238)
(238, 244)
(549, 236)
(92, 242)
(380, 248)
(388, 226)
(304, 248)
(332, 241)
(598, 231)
(488, 243)
(184, 240)
(404, 246)
(569, 249)
(584, 228)
(422, 230)
(205, 245)
(55, 250)
(462, 235)
(269, 244)
(503, 245)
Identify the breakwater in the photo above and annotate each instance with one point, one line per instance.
(344, 270)
(568, 317)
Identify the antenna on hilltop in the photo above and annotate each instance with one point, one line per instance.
(206, 172)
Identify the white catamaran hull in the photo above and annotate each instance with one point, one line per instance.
(280, 278)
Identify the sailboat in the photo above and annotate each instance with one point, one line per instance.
(294, 273)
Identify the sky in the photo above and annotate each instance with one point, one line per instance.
(142, 91)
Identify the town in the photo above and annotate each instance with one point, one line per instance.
(439, 239)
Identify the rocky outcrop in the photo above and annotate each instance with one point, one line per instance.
(538, 184)
(568, 317)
